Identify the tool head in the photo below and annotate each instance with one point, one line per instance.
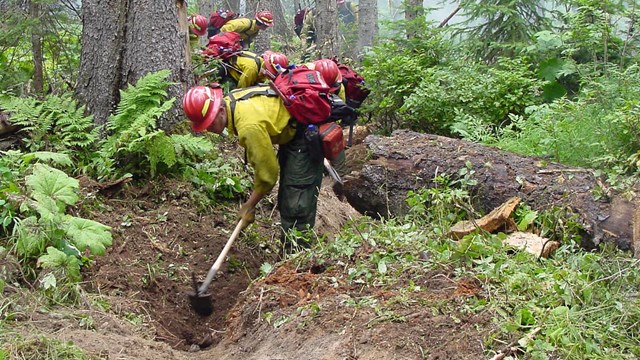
(201, 303)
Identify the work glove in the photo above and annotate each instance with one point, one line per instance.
(248, 214)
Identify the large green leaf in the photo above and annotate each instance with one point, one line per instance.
(90, 234)
(58, 259)
(47, 208)
(53, 157)
(550, 68)
(53, 183)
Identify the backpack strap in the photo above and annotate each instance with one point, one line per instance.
(249, 94)
(251, 22)
(233, 61)
(256, 58)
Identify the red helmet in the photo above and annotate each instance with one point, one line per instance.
(265, 17)
(201, 105)
(274, 63)
(198, 24)
(329, 71)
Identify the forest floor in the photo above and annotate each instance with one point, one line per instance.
(135, 303)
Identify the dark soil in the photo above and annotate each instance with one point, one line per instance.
(159, 241)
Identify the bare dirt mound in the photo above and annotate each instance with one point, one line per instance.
(301, 314)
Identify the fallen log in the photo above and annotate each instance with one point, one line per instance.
(8, 139)
(409, 161)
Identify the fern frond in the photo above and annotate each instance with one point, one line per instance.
(48, 156)
(55, 123)
(149, 92)
(191, 146)
(161, 150)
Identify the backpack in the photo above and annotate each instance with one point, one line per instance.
(355, 92)
(298, 21)
(305, 95)
(223, 45)
(303, 92)
(218, 19)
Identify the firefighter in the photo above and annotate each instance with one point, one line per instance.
(259, 122)
(248, 28)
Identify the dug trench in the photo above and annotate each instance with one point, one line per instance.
(160, 239)
(301, 310)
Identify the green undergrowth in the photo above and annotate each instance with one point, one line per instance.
(576, 304)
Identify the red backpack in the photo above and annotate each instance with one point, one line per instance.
(223, 45)
(219, 18)
(355, 92)
(305, 95)
(303, 92)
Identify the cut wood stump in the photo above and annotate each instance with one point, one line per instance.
(499, 217)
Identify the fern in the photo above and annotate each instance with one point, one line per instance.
(189, 146)
(135, 143)
(161, 151)
(56, 123)
(148, 93)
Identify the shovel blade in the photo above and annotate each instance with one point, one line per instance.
(201, 303)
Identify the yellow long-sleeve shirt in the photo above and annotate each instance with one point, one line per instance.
(260, 121)
(245, 69)
(248, 29)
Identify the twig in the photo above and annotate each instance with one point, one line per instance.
(260, 304)
(511, 347)
(552, 171)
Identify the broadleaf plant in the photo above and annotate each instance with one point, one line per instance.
(66, 238)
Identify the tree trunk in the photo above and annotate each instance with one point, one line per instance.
(206, 7)
(409, 161)
(262, 42)
(413, 10)
(282, 28)
(326, 25)
(35, 11)
(123, 41)
(367, 24)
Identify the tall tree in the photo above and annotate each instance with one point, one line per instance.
(367, 24)
(498, 27)
(413, 10)
(206, 7)
(263, 40)
(35, 9)
(326, 25)
(52, 33)
(124, 40)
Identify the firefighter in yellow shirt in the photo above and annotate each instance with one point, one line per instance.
(248, 69)
(261, 121)
(247, 28)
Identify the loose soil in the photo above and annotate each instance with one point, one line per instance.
(297, 312)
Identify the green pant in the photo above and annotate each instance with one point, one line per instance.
(300, 181)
